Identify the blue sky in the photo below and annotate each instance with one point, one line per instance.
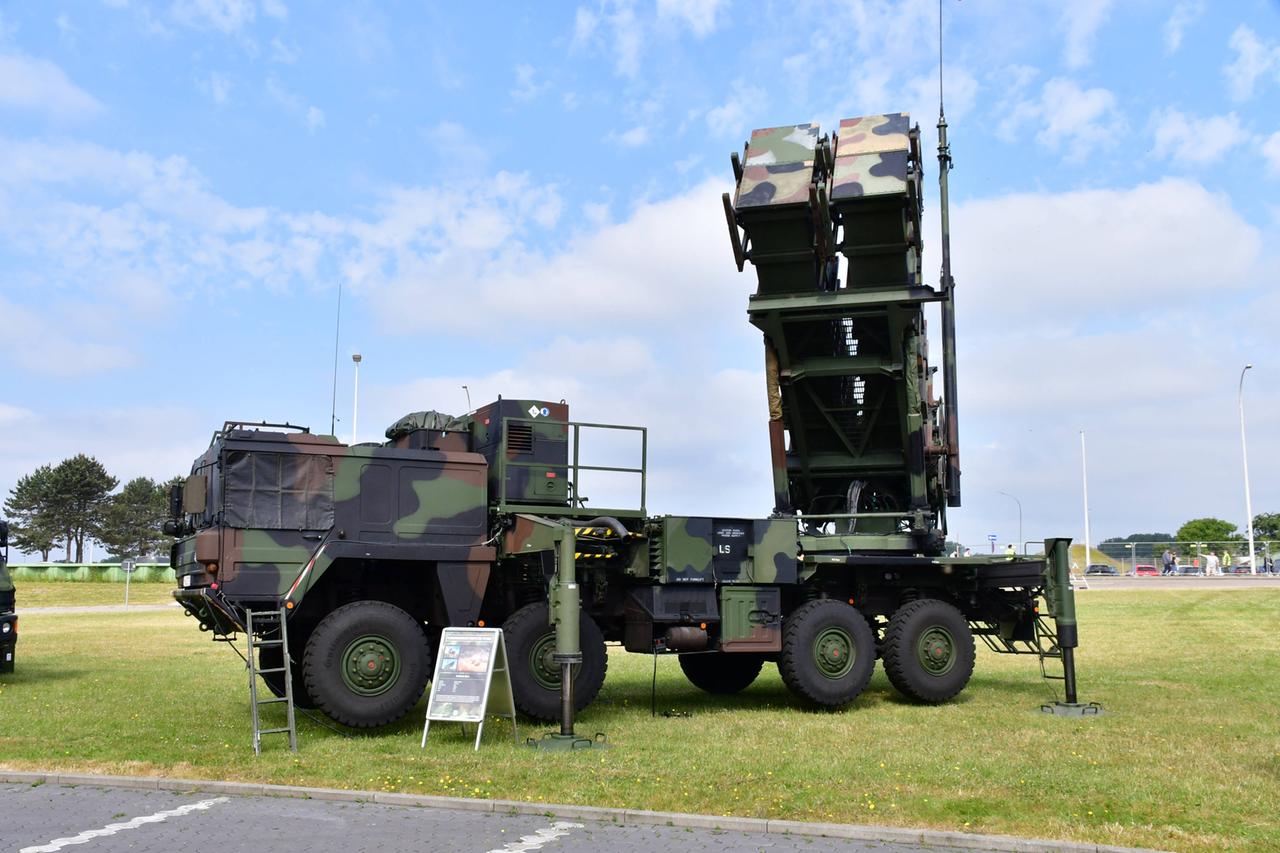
(523, 198)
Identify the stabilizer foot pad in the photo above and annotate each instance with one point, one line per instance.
(1073, 709)
(555, 742)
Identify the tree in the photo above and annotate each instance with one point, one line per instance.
(1207, 530)
(80, 488)
(1266, 525)
(1149, 545)
(131, 522)
(33, 525)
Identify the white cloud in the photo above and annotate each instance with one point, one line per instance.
(311, 115)
(1254, 59)
(615, 31)
(217, 86)
(700, 16)
(636, 137)
(1186, 13)
(1120, 311)
(527, 86)
(1271, 152)
(1194, 141)
(730, 118)
(283, 53)
(1073, 120)
(1071, 259)
(228, 16)
(1081, 20)
(40, 86)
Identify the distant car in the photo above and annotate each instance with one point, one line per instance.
(1146, 570)
(1236, 569)
(1194, 571)
(1100, 569)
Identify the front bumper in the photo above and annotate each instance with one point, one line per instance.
(212, 609)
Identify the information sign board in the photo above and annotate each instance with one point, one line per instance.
(471, 680)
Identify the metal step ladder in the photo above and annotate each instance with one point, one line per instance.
(269, 629)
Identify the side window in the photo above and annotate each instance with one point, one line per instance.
(278, 491)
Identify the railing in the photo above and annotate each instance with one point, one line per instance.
(577, 503)
(91, 572)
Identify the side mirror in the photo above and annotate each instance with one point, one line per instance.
(193, 495)
(175, 500)
(4, 534)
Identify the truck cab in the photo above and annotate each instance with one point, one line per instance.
(8, 614)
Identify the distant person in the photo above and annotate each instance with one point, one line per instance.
(968, 552)
(1010, 551)
(1167, 562)
(1211, 564)
(1227, 565)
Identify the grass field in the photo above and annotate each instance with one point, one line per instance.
(77, 594)
(1186, 758)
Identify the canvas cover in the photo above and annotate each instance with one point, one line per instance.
(278, 491)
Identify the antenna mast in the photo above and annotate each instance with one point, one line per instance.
(947, 284)
(333, 405)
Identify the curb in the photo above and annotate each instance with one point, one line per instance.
(598, 814)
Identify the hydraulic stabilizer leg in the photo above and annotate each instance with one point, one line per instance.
(566, 609)
(1062, 605)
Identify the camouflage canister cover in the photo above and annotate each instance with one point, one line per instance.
(779, 166)
(871, 156)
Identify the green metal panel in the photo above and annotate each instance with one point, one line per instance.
(751, 618)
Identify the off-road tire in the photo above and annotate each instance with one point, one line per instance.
(915, 630)
(526, 634)
(270, 657)
(721, 673)
(346, 634)
(815, 638)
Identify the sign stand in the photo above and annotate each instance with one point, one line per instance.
(127, 566)
(467, 663)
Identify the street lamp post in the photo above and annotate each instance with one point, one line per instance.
(355, 399)
(1133, 556)
(1084, 473)
(1019, 503)
(1244, 452)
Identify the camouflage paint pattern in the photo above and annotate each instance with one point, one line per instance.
(879, 174)
(779, 166)
(871, 156)
(793, 143)
(423, 507)
(8, 606)
(532, 438)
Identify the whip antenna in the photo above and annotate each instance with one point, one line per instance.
(333, 405)
(947, 286)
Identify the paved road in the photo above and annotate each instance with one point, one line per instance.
(1185, 582)
(49, 818)
(97, 608)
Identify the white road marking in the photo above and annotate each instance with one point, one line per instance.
(559, 829)
(112, 828)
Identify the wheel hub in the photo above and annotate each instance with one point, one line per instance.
(542, 664)
(936, 650)
(370, 665)
(834, 652)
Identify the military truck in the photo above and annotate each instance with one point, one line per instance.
(482, 519)
(8, 614)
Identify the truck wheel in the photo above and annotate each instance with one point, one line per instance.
(535, 677)
(721, 673)
(366, 664)
(928, 650)
(271, 658)
(828, 652)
